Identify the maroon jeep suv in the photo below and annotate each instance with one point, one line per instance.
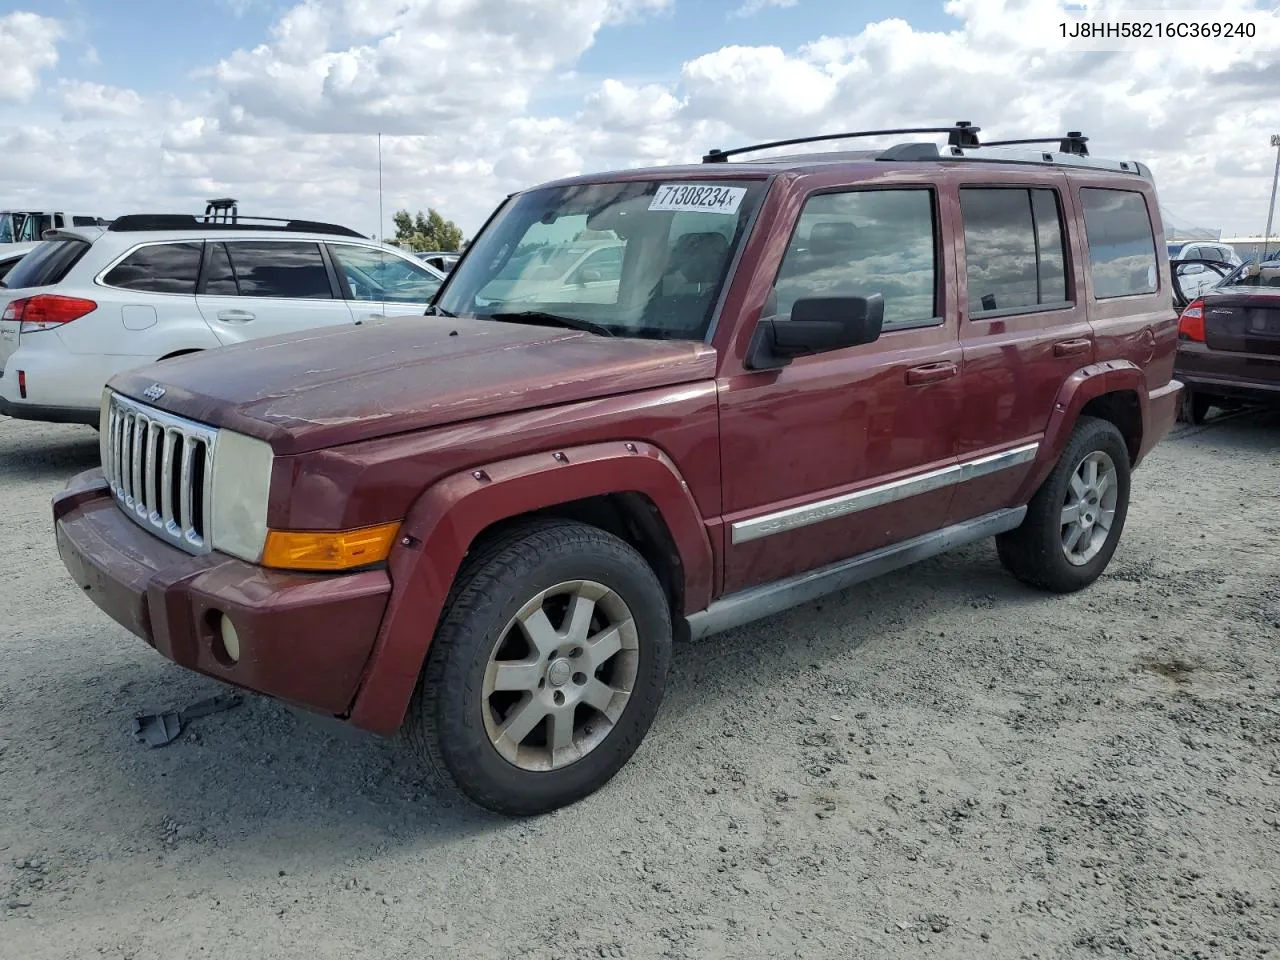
(645, 405)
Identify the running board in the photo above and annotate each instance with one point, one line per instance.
(770, 598)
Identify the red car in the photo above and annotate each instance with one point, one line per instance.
(1229, 340)
(489, 525)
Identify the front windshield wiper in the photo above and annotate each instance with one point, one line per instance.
(540, 317)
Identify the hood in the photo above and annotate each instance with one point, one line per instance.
(338, 385)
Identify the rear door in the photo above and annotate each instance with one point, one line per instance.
(1024, 330)
(261, 288)
(379, 283)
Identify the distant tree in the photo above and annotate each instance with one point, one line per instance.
(429, 231)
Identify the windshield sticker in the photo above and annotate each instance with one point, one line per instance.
(697, 198)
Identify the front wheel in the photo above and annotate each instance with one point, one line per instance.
(547, 669)
(1074, 521)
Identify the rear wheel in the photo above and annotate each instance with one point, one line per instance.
(547, 669)
(1074, 521)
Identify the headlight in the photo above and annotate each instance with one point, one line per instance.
(241, 485)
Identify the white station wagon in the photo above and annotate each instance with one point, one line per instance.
(90, 302)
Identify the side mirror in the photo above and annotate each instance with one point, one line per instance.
(817, 325)
(590, 275)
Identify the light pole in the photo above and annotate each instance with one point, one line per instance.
(1271, 210)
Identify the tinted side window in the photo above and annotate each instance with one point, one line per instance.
(219, 278)
(1013, 249)
(287, 270)
(1122, 249)
(158, 268)
(862, 243)
(46, 264)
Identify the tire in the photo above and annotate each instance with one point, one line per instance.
(456, 721)
(1194, 407)
(1037, 551)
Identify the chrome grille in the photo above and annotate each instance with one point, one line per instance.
(160, 468)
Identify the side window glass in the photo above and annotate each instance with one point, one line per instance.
(287, 270)
(1122, 248)
(861, 243)
(1051, 247)
(1013, 249)
(220, 279)
(375, 275)
(158, 268)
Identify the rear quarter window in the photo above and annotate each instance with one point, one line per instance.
(46, 264)
(1122, 246)
(159, 268)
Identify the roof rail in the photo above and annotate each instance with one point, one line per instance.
(1073, 143)
(961, 134)
(138, 222)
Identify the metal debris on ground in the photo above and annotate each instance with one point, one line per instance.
(161, 729)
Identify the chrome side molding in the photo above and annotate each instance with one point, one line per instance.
(845, 504)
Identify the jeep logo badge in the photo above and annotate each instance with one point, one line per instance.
(153, 392)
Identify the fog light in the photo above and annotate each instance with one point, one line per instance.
(230, 639)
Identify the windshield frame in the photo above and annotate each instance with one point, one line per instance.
(757, 198)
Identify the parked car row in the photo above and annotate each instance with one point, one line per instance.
(90, 302)
(643, 405)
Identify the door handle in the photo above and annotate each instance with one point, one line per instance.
(932, 372)
(235, 316)
(1069, 348)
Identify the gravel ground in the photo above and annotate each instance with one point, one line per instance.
(938, 764)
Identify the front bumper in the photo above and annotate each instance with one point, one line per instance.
(304, 638)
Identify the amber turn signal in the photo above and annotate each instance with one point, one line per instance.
(328, 549)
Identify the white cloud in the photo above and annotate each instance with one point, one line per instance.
(28, 47)
(752, 7)
(83, 100)
(288, 126)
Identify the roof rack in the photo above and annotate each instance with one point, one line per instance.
(222, 210)
(229, 220)
(961, 134)
(962, 144)
(1073, 143)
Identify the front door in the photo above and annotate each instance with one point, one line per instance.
(380, 283)
(840, 453)
(261, 288)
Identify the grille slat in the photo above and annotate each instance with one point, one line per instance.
(166, 473)
(184, 514)
(160, 468)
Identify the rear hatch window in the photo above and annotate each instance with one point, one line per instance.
(46, 264)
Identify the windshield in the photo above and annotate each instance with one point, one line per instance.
(6, 227)
(638, 258)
